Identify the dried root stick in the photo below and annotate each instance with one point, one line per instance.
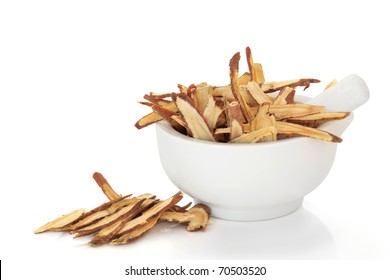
(201, 96)
(98, 213)
(61, 223)
(212, 113)
(157, 209)
(107, 233)
(196, 218)
(236, 88)
(291, 130)
(315, 120)
(285, 96)
(235, 120)
(255, 69)
(294, 110)
(264, 119)
(258, 94)
(126, 212)
(256, 136)
(193, 118)
(155, 117)
(147, 120)
(105, 186)
(268, 87)
(137, 232)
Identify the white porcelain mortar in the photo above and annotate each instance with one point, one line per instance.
(247, 182)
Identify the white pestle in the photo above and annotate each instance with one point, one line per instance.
(345, 96)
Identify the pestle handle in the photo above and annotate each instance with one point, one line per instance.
(345, 96)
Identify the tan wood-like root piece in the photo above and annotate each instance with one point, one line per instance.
(61, 223)
(264, 119)
(223, 130)
(171, 117)
(181, 123)
(223, 92)
(269, 87)
(292, 129)
(196, 218)
(105, 186)
(99, 213)
(154, 117)
(212, 113)
(147, 203)
(147, 120)
(155, 100)
(244, 79)
(126, 212)
(202, 213)
(177, 208)
(285, 96)
(194, 119)
(107, 233)
(256, 136)
(137, 232)
(161, 95)
(235, 120)
(316, 120)
(201, 96)
(294, 110)
(157, 209)
(258, 94)
(123, 239)
(163, 112)
(259, 72)
(146, 196)
(233, 65)
(255, 69)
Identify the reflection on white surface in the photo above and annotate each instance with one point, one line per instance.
(300, 235)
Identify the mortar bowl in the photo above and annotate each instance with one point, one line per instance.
(247, 182)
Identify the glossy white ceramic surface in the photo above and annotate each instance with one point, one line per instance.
(246, 181)
(346, 95)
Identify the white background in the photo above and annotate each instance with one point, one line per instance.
(71, 73)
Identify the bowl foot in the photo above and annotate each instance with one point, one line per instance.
(257, 214)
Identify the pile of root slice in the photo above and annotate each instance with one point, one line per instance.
(126, 218)
(248, 110)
